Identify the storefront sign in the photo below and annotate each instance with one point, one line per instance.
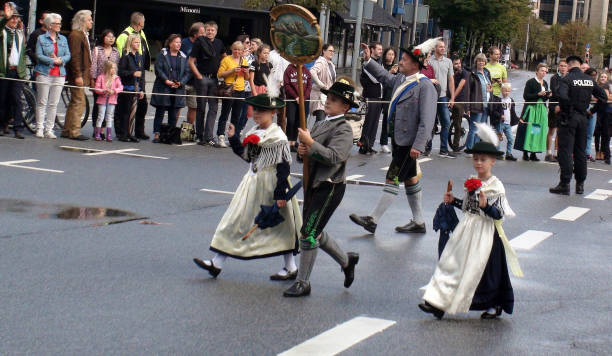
(189, 10)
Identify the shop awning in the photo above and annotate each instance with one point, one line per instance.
(380, 17)
(220, 4)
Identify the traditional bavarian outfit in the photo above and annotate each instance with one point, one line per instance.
(333, 141)
(472, 273)
(267, 152)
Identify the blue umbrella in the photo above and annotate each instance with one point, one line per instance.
(445, 220)
(269, 215)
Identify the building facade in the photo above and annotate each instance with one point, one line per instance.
(595, 13)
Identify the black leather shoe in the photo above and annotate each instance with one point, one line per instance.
(133, 139)
(19, 135)
(365, 221)
(580, 188)
(510, 158)
(525, 156)
(412, 227)
(487, 315)
(80, 138)
(561, 188)
(298, 289)
(124, 139)
(428, 308)
(285, 277)
(363, 150)
(142, 136)
(534, 158)
(214, 271)
(349, 271)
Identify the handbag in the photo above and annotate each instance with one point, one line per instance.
(188, 133)
(225, 89)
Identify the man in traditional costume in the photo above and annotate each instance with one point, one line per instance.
(328, 147)
(472, 272)
(266, 149)
(412, 114)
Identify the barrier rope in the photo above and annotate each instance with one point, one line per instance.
(233, 98)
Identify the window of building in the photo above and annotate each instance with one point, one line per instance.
(546, 16)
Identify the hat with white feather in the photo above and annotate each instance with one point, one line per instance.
(269, 100)
(419, 53)
(488, 141)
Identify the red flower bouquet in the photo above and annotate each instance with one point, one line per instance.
(416, 52)
(253, 139)
(472, 184)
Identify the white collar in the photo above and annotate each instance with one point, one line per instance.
(329, 118)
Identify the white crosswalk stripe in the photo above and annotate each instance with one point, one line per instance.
(571, 213)
(529, 239)
(340, 338)
(599, 194)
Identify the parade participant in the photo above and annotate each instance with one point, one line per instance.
(411, 117)
(552, 113)
(328, 147)
(373, 91)
(267, 151)
(13, 66)
(575, 91)
(472, 273)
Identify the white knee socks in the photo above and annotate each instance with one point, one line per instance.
(218, 260)
(413, 193)
(390, 191)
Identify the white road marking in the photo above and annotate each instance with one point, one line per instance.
(101, 152)
(571, 213)
(599, 194)
(300, 201)
(187, 144)
(341, 337)
(420, 160)
(529, 239)
(593, 169)
(385, 168)
(124, 152)
(17, 164)
(354, 176)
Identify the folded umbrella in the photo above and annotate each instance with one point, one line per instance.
(445, 220)
(269, 215)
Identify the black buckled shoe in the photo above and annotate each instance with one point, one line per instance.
(367, 222)
(298, 289)
(487, 315)
(19, 135)
(284, 277)
(428, 308)
(561, 188)
(214, 271)
(412, 227)
(579, 187)
(349, 271)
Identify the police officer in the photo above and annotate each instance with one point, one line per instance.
(575, 92)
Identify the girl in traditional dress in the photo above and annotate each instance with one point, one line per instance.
(266, 149)
(472, 273)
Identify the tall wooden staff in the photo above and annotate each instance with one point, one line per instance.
(296, 35)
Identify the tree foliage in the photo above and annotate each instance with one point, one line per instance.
(334, 5)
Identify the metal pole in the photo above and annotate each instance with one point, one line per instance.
(357, 42)
(526, 46)
(414, 22)
(93, 17)
(323, 22)
(32, 16)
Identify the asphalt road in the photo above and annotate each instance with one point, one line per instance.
(104, 287)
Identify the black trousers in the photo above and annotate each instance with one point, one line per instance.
(384, 130)
(572, 141)
(602, 133)
(293, 120)
(10, 101)
(370, 126)
(319, 206)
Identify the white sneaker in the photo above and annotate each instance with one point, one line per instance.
(39, 133)
(49, 134)
(385, 149)
(221, 141)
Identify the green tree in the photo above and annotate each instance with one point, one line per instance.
(541, 42)
(575, 35)
(334, 5)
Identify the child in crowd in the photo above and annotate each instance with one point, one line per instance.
(503, 116)
(108, 85)
(472, 273)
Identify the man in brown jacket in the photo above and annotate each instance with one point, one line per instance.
(78, 73)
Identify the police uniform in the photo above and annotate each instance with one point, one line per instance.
(575, 92)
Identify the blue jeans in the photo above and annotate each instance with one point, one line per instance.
(590, 131)
(471, 137)
(444, 115)
(507, 131)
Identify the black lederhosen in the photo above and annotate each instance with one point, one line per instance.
(319, 206)
(402, 166)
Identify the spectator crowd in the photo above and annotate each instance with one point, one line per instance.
(201, 64)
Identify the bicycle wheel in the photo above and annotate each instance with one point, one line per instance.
(28, 108)
(465, 128)
(62, 107)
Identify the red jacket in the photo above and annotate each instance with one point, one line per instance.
(291, 83)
